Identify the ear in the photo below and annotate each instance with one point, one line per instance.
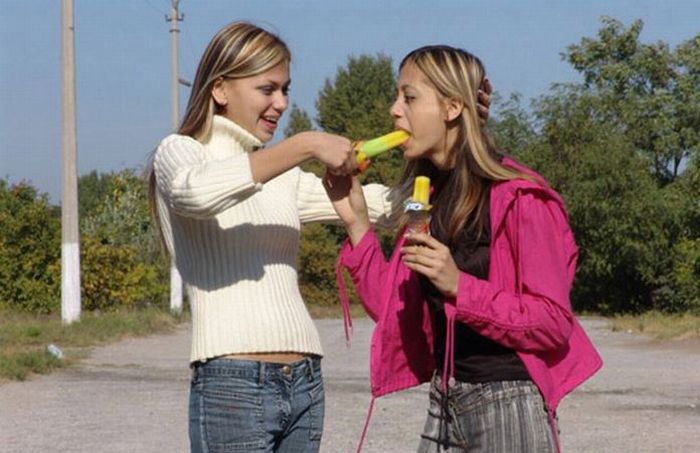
(453, 108)
(218, 92)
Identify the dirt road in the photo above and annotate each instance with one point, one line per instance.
(132, 397)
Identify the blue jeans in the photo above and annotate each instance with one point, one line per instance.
(491, 417)
(240, 405)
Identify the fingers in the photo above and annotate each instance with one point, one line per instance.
(347, 164)
(421, 269)
(425, 250)
(484, 100)
(424, 239)
(419, 250)
(486, 87)
(426, 261)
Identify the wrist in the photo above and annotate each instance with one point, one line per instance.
(305, 144)
(356, 231)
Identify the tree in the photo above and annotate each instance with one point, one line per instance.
(650, 92)
(93, 187)
(511, 125)
(299, 121)
(622, 148)
(622, 223)
(685, 274)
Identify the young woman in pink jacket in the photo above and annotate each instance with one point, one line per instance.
(480, 306)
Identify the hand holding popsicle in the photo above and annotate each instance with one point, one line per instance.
(371, 148)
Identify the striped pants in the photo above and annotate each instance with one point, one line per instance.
(491, 417)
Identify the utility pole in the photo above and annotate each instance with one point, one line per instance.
(174, 18)
(70, 243)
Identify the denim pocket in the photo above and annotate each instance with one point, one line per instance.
(231, 414)
(317, 396)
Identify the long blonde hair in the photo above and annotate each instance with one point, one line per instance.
(237, 51)
(457, 74)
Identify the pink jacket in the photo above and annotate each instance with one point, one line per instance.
(523, 305)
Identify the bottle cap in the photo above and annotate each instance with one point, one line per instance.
(421, 190)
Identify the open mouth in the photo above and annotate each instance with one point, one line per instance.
(270, 122)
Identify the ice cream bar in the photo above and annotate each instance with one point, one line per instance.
(418, 208)
(421, 190)
(371, 148)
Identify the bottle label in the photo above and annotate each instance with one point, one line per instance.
(414, 206)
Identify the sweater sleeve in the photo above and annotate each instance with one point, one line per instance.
(315, 206)
(197, 186)
(538, 316)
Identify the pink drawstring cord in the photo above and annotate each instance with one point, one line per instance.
(365, 428)
(344, 302)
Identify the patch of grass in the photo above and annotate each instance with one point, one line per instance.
(335, 311)
(659, 325)
(24, 338)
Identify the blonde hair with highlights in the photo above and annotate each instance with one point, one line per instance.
(237, 51)
(457, 74)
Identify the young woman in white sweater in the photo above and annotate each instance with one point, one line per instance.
(229, 212)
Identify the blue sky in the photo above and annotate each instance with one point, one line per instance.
(123, 59)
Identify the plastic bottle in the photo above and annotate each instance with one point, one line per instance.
(418, 207)
(55, 351)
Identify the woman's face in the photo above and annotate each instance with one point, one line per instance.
(420, 110)
(255, 103)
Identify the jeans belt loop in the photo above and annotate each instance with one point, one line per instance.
(261, 373)
(310, 368)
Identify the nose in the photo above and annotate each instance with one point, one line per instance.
(280, 103)
(395, 109)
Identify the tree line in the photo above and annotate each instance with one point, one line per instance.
(622, 147)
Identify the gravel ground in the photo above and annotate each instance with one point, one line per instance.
(131, 397)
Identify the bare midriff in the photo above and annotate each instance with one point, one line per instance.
(272, 357)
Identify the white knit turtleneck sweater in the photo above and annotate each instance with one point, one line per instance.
(235, 241)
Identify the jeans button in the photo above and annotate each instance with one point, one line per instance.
(287, 370)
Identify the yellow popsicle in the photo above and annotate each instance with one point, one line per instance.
(421, 190)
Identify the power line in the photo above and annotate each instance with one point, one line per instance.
(155, 8)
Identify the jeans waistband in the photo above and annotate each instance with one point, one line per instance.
(254, 369)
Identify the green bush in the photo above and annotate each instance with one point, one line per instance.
(115, 277)
(120, 261)
(30, 248)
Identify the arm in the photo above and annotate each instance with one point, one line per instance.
(195, 185)
(198, 186)
(361, 254)
(539, 318)
(334, 151)
(314, 204)
(348, 199)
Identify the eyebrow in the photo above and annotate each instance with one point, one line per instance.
(275, 83)
(406, 85)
